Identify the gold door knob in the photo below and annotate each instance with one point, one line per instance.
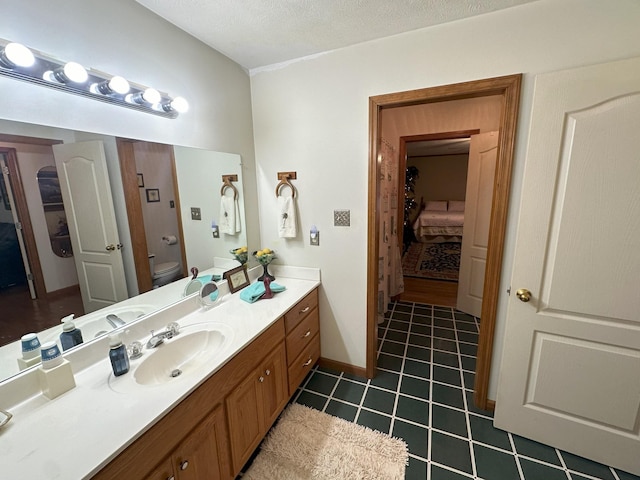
(110, 248)
(523, 295)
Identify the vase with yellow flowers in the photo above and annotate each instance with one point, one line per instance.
(264, 258)
(241, 254)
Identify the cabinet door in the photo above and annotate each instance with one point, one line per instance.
(245, 422)
(273, 388)
(204, 454)
(164, 471)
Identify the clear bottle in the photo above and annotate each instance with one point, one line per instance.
(70, 336)
(118, 356)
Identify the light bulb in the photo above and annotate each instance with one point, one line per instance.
(151, 95)
(117, 84)
(71, 72)
(75, 72)
(16, 55)
(180, 104)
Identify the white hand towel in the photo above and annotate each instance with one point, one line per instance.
(229, 216)
(287, 227)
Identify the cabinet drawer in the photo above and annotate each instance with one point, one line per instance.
(300, 310)
(301, 335)
(303, 364)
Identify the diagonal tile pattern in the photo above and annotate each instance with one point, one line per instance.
(424, 394)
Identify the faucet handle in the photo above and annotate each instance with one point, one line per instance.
(134, 350)
(173, 328)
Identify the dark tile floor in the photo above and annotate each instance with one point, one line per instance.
(423, 394)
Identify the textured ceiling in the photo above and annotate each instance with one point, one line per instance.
(256, 33)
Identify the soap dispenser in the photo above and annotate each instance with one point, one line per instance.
(118, 355)
(70, 336)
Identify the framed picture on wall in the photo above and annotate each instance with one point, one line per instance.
(153, 195)
(140, 180)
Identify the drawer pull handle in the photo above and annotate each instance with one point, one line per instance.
(308, 362)
(171, 478)
(306, 334)
(261, 379)
(184, 465)
(305, 309)
(267, 372)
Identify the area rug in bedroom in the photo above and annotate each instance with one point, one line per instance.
(434, 261)
(309, 444)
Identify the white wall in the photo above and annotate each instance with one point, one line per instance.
(122, 37)
(312, 116)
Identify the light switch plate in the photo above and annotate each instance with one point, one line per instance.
(195, 213)
(342, 218)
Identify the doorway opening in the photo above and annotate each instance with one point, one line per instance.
(431, 228)
(508, 88)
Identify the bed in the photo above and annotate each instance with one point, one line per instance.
(440, 221)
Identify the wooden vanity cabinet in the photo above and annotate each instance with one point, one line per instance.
(302, 325)
(214, 431)
(199, 455)
(196, 429)
(255, 404)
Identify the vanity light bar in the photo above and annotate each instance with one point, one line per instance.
(22, 63)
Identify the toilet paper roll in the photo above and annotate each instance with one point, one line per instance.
(170, 239)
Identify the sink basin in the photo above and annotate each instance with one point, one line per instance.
(96, 324)
(193, 347)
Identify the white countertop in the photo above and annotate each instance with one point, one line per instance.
(147, 302)
(78, 433)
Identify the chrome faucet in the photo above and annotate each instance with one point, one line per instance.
(159, 338)
(115, 321)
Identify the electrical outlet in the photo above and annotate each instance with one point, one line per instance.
(195, 213)
(342, 218)
(314, 238)
(172, 204)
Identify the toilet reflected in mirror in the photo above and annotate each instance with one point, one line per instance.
(163, 273)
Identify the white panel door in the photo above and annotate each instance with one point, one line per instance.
(86, 192)
(570, 372)
(481, 172)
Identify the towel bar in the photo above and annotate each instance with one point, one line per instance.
(284, 178)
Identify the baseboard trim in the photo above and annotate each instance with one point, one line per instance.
(342, 367)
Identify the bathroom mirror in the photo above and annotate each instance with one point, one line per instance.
(191, 164)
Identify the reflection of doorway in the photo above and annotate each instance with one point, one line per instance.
(128, 152)
(508, 89)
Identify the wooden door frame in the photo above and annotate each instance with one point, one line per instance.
(402, 165)
(509, 88)
(20, 199)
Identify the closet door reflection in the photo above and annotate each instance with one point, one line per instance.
(54, 213)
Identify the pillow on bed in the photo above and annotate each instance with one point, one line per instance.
(456, 205)
(436, 205)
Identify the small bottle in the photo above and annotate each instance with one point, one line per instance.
(70, 336)
(118, 356)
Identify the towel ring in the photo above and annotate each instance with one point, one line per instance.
(285, 183)
(227, 184)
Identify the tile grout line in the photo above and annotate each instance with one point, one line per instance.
(474, 467)
(404, 358)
